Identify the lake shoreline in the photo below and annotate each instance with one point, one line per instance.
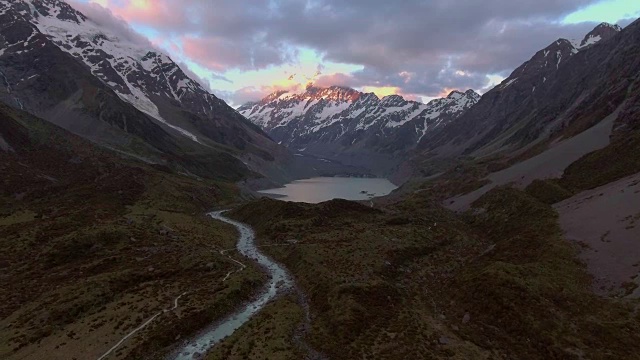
(320, 189)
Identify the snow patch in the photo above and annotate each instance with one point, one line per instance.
(579, 45)
(559, 56)
(509, 83)
(592, 40)
(332, 109)
(123, 57)
(142, 103)
(284, 95)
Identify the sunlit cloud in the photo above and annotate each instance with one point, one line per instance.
(606, 11)
(446, 91)
(381, 91)
(245, 49)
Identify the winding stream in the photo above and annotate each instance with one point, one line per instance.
(279, 281)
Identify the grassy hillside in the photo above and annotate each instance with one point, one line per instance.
(416, 281)
(93, 246)
(621, 158)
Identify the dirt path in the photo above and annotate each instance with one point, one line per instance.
(145, 324)
(241, 267)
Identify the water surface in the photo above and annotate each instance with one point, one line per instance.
(321, 189)
(279, 281)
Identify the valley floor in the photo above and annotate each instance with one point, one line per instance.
(94, 247)
(77, 282)
(412, 280)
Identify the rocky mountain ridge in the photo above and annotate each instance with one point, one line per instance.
(58, 64)
(553, 93)
(348, 125)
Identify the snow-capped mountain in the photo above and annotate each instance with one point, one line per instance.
(601, 32)
(554, 92)
(140, 75)
(337, 120)
(549, 59)
(60, 65)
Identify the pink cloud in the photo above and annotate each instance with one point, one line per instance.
(221, 54)
(256, 93)
(212, 53)
(339, 79)
(417, 47)
(161, 14)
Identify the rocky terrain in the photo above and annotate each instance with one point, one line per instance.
(60, 65)
(561, 91)
(356, 128)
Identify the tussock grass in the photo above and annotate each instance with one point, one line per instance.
(397, 283)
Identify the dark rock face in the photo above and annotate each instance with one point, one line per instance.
(350, 126)
(57, 64)
(603, 31)
(561, 91)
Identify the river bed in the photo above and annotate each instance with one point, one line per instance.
(279, 281)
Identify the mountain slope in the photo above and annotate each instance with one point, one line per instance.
(518, 135)
(58, 64)
(354, 127)
(562, 90)
(93, 245)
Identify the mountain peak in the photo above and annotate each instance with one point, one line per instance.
(606, 25)
(341, 118)
(550, 58)
(472, 94)
(47, 8)
(393, 100)
(457, 94)
(139, 74)
(273, 96)
(333, 93)
(603, 31)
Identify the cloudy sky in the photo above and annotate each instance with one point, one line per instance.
(420, 49)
